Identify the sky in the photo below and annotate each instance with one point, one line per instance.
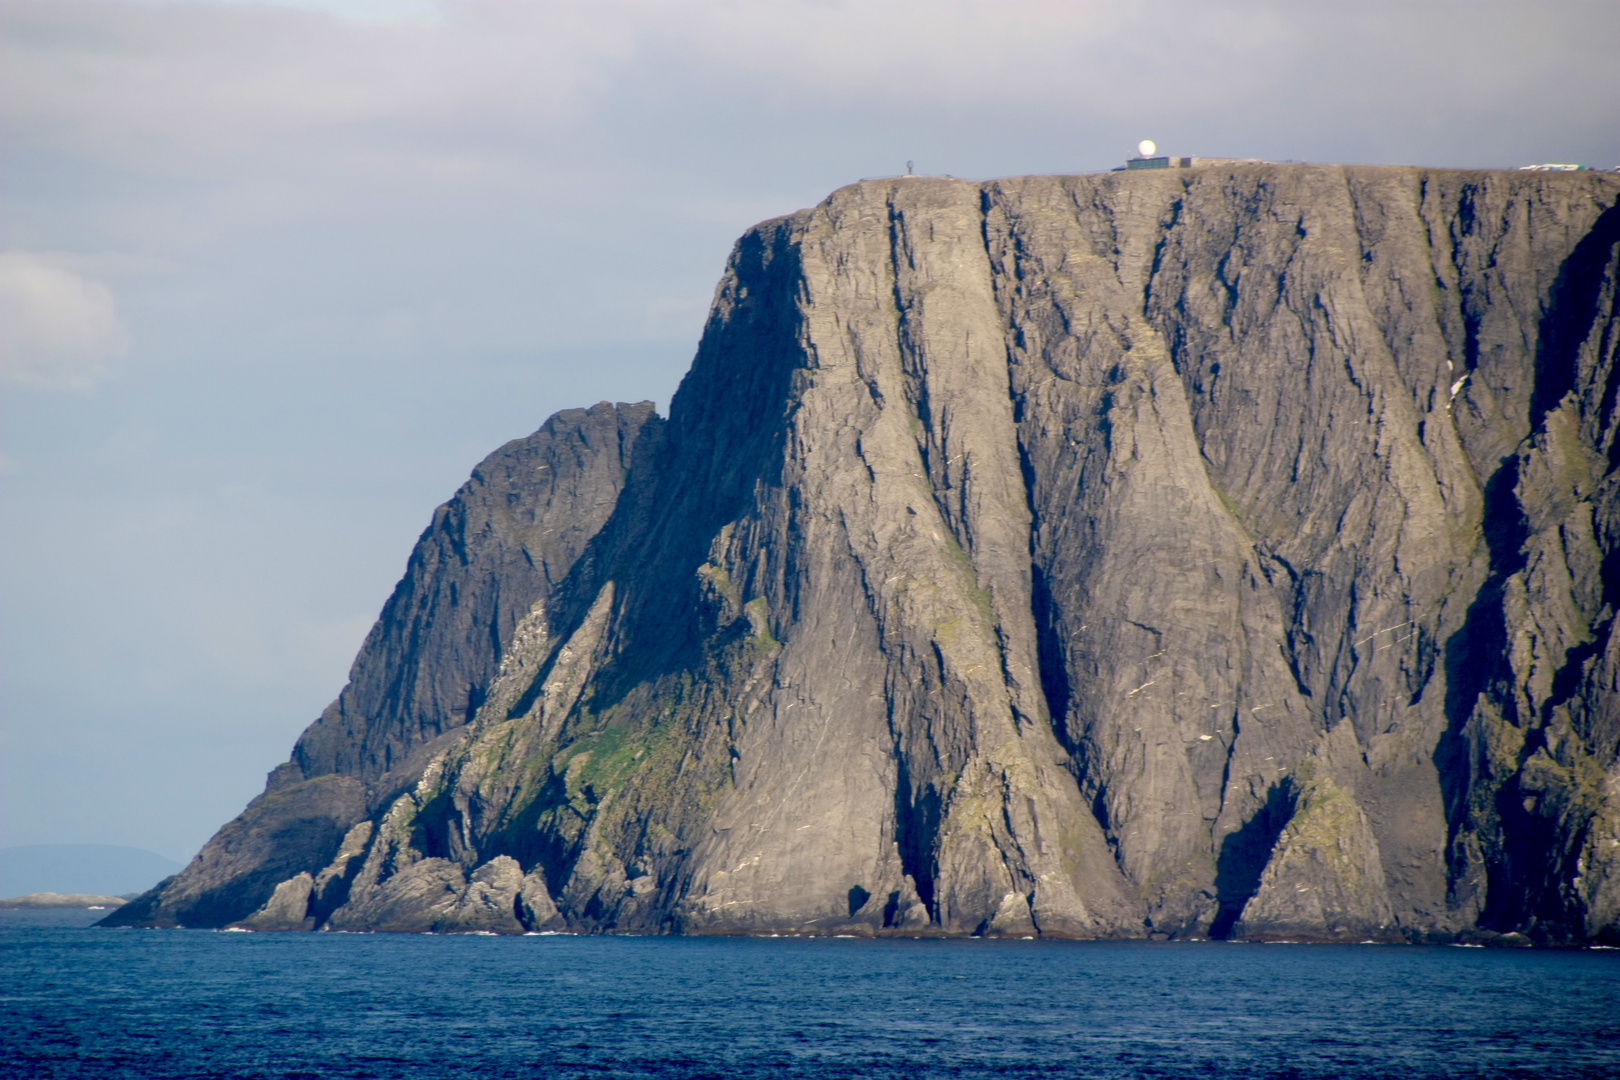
(275, 276)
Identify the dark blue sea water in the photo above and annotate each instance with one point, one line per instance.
(79, 1002)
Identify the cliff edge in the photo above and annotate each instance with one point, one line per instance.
(1223, 552)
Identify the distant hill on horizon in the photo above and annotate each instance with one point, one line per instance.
(44, 900)
(98, 869)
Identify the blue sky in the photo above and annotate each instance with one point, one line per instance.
(274, 277)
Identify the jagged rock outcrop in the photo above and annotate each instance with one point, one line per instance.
(1228, 551)
(481, 572)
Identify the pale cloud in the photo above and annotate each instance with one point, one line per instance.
(177, 88)
(59, 330)
(457, 92)
(378, 11)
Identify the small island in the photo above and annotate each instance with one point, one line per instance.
(62, 900)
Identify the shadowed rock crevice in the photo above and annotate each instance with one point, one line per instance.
(1572, 313)
(1243, 859)
(917, 818)
(1054, 673)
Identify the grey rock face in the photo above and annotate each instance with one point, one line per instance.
(1231, 551)
(490, 559)
(287, 908)
(493, 552)
(283, 833)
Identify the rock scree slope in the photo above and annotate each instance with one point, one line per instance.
(1229, 552)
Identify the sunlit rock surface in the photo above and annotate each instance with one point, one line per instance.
(1229, 551)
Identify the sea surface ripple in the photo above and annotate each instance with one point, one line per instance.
(82, 1002)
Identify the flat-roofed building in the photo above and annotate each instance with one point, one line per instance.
(1166, 162)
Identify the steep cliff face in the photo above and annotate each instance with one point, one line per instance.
(490, 559)
(1226, 552)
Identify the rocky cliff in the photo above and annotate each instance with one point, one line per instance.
(1224, 552)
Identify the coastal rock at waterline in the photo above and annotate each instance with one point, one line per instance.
(285, 832)
(1324, 877)
(287, 908)
(435, 895)
(429, 896)
(1232, 551)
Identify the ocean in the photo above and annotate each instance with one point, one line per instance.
(82, 1002)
